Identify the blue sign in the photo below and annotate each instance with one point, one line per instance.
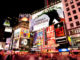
(63, 50)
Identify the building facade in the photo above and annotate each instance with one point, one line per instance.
(72, 17)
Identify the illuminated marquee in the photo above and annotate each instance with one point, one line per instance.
(24, 17)
(74, 31)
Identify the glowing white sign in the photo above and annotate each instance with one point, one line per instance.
(8, 29)
(41, 22)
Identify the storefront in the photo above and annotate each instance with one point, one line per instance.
(75, 36)
(75, 41)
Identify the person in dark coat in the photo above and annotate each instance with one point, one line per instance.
(9, 57)
(1, 57)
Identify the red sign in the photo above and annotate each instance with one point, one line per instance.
(59, 29)
(62, 20)
(60, 32)
(51, 35)
(50, 32)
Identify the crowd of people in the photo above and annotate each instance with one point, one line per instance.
(40, 56)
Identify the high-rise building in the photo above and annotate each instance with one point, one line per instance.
(72, 18)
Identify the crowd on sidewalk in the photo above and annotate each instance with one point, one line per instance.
(40, 56)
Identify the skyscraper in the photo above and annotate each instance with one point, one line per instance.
(72, 18)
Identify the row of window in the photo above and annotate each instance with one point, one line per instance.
(77, 24)
(71, 0)
(67, 9)
(78, 4)
(71, 6)
(74, 12)
(75, 17)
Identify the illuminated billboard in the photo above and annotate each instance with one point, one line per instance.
(50, 32)
(64, 50)
(59, 30)
(31, 25)
(24, 17)
(17, 32)
(51, 37)
(8, 40)
(21, 32)
(6, 23)
(39, 37)
(16, 43)
(25, 33)
(8, 29)
(24, 43)
(41, 22)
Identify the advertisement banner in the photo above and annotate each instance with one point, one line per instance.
(31, 24)
(41, 22)
(8, 41)
(35, 37)
(25, 33)
(59, 30)
(50, 32)
(59, 8)
(8, 29)
(51, 36)
(6, 23)
(16, 43)
(17, 32)
(24, 17)
(24, 42)
(39, 38)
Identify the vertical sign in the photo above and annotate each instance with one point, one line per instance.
(50, 35)
(59, 29)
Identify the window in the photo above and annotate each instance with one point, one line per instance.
(77, 23)
(65, 0)
(72, 6)
(71, 32)
(70, 19)
(71, 25)
(67, 9)
(78, 4)
(79, 9)
(76, 0)
(76, 17)
(66, 4)
(74, 11)
(71, 1)
(69, 14)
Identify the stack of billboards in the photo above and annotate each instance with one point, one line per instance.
(55, 34)
(39, 38)
(50, 36)
(21, 37)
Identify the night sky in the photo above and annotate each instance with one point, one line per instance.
(21, 7)
(12, 9)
